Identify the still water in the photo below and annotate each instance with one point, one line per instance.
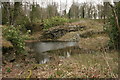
(41, 48)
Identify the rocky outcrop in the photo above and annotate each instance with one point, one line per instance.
(56, 33)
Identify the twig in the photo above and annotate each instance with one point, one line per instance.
(30, 73)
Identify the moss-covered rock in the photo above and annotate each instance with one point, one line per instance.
(6, 44)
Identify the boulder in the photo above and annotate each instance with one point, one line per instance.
(6, 44)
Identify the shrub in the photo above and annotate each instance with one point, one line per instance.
(113, 33)
(34, 27)
(22, 21)
(14, 35)
(54, 21)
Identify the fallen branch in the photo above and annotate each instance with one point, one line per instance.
(30, 73)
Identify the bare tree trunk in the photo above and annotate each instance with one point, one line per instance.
(60, 8)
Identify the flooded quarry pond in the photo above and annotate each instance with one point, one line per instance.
(44, 50)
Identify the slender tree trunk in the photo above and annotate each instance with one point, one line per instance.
(116, 17)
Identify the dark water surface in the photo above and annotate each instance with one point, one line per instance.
(41, 48)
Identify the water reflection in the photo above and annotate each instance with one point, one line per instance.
(41, 48)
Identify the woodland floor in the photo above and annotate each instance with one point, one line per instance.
(94, 59)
